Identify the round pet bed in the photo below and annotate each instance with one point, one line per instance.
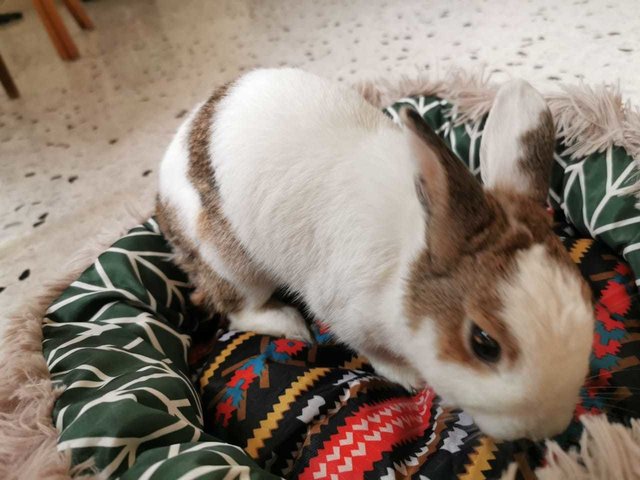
(133, 382)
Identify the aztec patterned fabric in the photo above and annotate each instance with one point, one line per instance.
(118, 341)
(318, 411)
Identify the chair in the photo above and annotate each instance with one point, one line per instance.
(7, 81)
(56, 29)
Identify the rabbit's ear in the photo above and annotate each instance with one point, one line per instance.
(456, 205)
(517, 146)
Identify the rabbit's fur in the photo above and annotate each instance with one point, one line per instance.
(284, 178)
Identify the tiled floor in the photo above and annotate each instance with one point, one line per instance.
(85, 139)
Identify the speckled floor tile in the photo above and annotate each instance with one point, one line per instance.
(85, 139)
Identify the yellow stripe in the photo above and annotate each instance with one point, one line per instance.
(222, 356)
(580, 248)
(480, 460)
(354, 363)
(263, 432)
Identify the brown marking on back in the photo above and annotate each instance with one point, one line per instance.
(200, 168)
(213, 226)
(538, 145)
(212, 292)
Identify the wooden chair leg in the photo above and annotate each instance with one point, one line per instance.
(80, 14)
(7, 81)
(55, 28)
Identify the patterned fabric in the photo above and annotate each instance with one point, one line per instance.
(612, 385)
(318, 411)
(593, 192)
(117, 340)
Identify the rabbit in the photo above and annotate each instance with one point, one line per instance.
(284, 178)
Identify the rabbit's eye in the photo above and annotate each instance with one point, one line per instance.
(484, 346)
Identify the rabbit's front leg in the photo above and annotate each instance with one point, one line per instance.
(272, 318)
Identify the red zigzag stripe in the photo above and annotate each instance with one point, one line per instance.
(370, 431)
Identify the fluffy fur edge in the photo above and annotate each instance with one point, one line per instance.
(28, 438)
(607, 450)
(590, 118)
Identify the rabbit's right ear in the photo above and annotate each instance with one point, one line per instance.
(456, 205)
(517, 146)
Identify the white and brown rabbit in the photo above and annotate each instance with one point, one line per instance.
(283, 178)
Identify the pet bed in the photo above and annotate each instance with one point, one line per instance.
(121, 377)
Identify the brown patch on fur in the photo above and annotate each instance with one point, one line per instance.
(200, 168)
(456, 203)
(453, 297)
(213, 226)
(474, 235)
(213, 292)
(538, 145)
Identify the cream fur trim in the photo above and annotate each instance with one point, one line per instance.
(607, 451)
(28, 438)
(589, 118)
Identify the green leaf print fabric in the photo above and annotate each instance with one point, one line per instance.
(117, 340)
